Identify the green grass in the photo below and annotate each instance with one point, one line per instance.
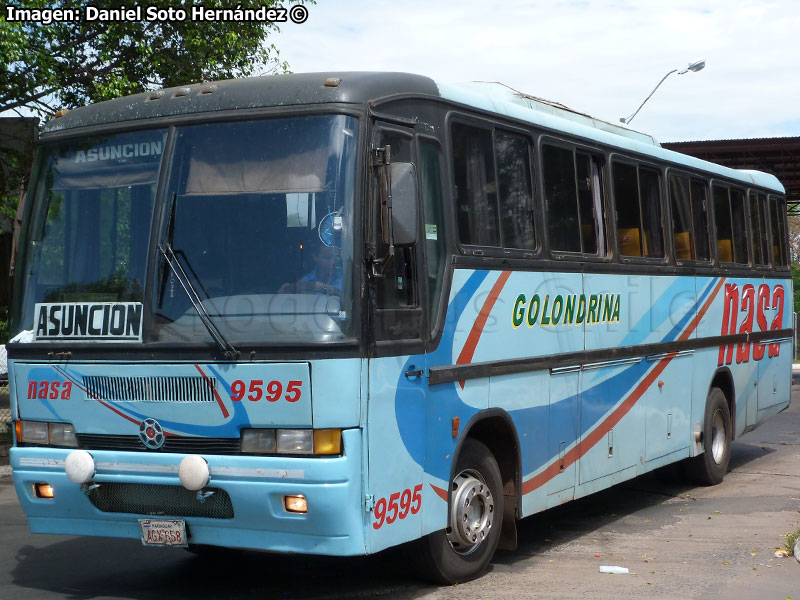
(790, 539)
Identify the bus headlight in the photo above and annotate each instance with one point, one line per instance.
(63, 434)
(32, 432)
(317, 442)
(295, 441)
(258, 441)
(46, 434)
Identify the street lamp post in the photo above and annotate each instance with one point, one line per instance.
(694, 66)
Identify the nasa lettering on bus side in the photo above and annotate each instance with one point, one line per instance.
(108, 321)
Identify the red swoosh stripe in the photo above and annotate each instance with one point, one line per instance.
(216, 394)
(468, 351)
(441, 492)
(598, 433)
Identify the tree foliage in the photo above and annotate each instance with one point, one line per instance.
(67, 64)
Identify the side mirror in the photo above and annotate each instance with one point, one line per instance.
(404, 204)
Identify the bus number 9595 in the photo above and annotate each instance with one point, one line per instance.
(272, 392)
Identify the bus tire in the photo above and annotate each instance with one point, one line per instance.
(463, 550)
(710, 467)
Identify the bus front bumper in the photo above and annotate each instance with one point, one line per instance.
(256, 486)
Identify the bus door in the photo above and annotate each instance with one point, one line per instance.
(396, 409)
(668, 399)
(563, 429)
(563, 421)
(612, 427)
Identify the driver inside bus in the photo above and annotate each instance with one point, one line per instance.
(326, 276)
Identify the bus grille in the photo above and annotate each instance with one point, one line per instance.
(150, 389)
(178, 445)
(161, 500)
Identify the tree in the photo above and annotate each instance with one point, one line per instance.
(67, 64)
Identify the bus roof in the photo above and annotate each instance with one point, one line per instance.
(362, 87)
(503, 100)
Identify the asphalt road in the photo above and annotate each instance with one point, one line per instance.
(678, 542)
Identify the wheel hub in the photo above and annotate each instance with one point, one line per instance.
(471, 512)
(718, 437)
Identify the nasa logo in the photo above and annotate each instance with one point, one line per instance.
(151, 434)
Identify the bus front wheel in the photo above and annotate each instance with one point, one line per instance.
(464, 549)
(710, 467)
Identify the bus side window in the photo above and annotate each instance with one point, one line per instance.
(689, 217)
(731, 241)
(561, 202)
(758, 225)
(516, 197)
(626, 196)
(476, 188)
(699, 191)
(777, 210)
(652, 221)
(680, 201)
(431, 174)
(640, 226)
(591, 207)
(574, 201)
(739, 222)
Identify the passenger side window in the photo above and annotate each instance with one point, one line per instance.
(780, 247)
(689, 217)
(758, 226)
(574, 202)
(494, 208)
(739, 221)
(637, 193)
(516, 197)
(729, 215)
(700, 215)
(476, 186)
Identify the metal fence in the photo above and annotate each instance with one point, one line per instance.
(5, 409)
(796, 344)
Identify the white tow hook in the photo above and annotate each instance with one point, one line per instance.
(79, 466)
(193, 473)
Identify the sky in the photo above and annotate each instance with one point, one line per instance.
(601, 57)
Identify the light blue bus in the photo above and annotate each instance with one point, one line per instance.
(334, 313)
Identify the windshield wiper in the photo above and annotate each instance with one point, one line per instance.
(180, 274)
(177, 269)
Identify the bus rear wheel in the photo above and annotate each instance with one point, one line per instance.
(464, 549)
(709, 468)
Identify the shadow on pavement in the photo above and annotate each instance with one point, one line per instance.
(93, 567)
(605, 510)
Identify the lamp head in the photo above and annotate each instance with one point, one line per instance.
(694, 66)
(697, 65)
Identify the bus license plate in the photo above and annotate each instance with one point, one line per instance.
(161, 532)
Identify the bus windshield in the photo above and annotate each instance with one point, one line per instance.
(257, 214)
